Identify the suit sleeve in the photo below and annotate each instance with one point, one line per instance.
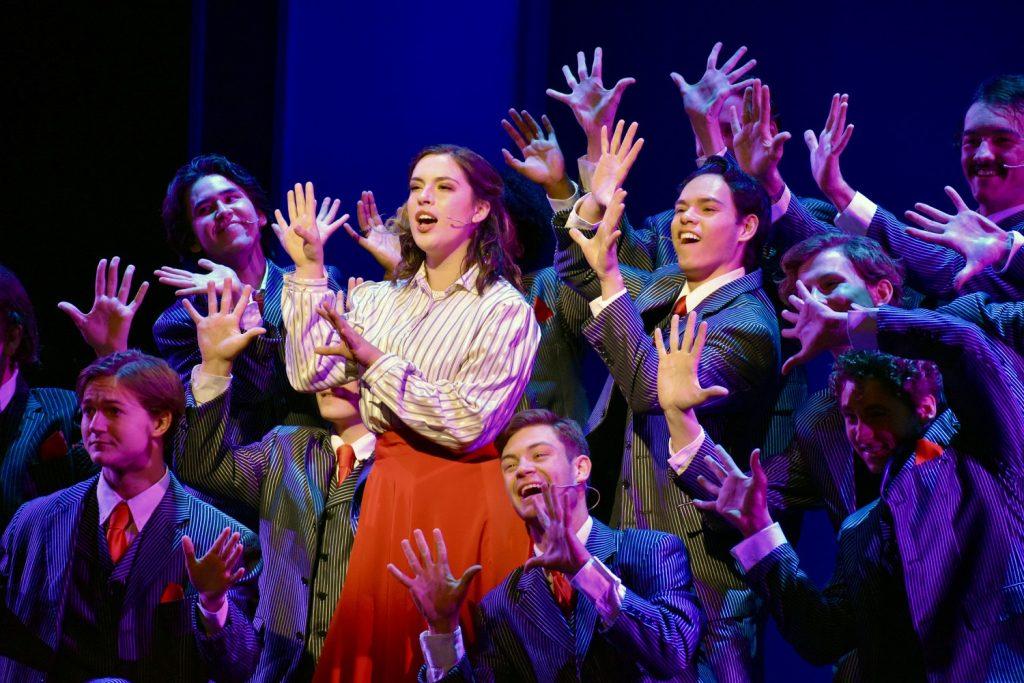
(818, 623)
(175, 336)
(931, 268)
(18, 642)
(209, 460)
(796, 225)
(659, 622)
(981, 377)
(232, 653)
(1004, 321)
(739, 354)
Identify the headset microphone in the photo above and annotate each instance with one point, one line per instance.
(1013, 165)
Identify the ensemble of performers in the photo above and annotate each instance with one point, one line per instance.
(389, 480)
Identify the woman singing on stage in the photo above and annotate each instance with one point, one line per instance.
(443, 354)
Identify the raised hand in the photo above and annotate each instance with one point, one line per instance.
(303, 235)
(617, 157)
(374, 236)
(437, 594)
(826, 150)
(981, 242)
(740, 500)
(561, 549)
(106, 326)
(217, 571)
(817, 327)
(189, 283)
(757, 149)
(592, 104)
(218, 332)
(703, 100)
(543, 162)
(678, 378)
(352, 345)
(600, 250)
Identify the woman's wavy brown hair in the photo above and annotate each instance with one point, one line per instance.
(493, 246)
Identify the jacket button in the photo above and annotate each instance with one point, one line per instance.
(322, 595)
(625, 484)
(305, 581)
(322, 633)
(298, 635)
(323, 557)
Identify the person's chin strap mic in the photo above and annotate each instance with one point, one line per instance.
(1005, 165)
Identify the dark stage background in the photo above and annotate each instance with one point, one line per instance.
(103, 103)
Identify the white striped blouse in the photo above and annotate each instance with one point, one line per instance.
(455, 363)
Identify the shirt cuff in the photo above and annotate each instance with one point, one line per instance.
(214, 621)
(379, 368)
(586, 168)
(574, 220)
(681, 459)
(752, 550)
(780, 207)
(862, 328)
(291, 279)
(603, 588)
(598, 305)
(856, 218)
(1017, 240)
(441, 652)
(567, 203)
(206, 387)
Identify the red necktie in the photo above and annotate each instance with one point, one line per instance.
(680, 307)
(562, 590)
(117, 530)
(346, 461)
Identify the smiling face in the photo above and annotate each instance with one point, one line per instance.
(832, 277)
(442, 209)
(226, 224)
(878, 422)
(708, 235)
(536, 456)
(993, 138)
(118, 432)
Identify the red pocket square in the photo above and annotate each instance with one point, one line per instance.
(172, 593)
(54, 447)
(926, 451)
(541, 311)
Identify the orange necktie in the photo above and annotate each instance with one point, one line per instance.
(680, 307)
(562, 590)
(117, 530)
(346, 461)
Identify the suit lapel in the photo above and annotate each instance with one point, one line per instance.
(272, 296)
(60, 549)
(602, 544)
(539, 608)
(665, 285)
(1014, 222)
(723, 296)
(21, 416)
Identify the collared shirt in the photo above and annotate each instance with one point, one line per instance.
(7, 390)
(251, 316)
(454, 363)
(363, 446)
(141, 505)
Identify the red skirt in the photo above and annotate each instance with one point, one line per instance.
(374, 634)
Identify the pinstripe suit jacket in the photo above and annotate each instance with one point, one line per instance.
(742, 353)
(524, 636)
(958, 521)
(286, 476)
(263, 398)
(166, 639)
(27, 469)
(930, 268)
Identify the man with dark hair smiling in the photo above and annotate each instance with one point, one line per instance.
(592, 604)
(216, 209)
(718, 216)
